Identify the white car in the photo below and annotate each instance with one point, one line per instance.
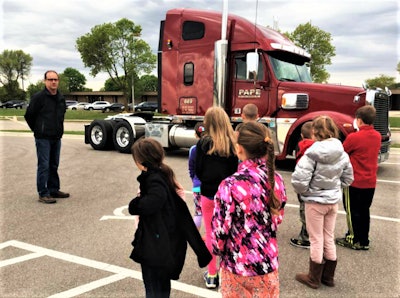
(97, 105)
(78, 106)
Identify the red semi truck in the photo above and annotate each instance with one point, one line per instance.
(198, 69)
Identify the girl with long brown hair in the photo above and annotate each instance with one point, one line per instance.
(244, 220)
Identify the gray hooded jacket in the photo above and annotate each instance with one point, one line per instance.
(322, 172)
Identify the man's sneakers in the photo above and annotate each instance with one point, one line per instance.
(356, 246)
(47, 200)
(212, 281)
(300, 243)
(59, 194)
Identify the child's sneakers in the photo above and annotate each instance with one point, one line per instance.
(356, 246)
(212, 281)
(300, 243)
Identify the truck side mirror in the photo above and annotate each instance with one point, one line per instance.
(251, 65)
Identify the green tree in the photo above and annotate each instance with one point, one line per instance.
(116, 48)
(143, 84)
(318, 44)
(34, 88)
(74, 80)
(148, 83)
(110, 85)
(381, 82)
(15, 65)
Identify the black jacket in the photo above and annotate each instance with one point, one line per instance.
(212, 169)
(45, 115)
(165, 226)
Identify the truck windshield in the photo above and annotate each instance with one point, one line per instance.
(288, 71)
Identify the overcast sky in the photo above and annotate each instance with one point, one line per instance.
(365, 33)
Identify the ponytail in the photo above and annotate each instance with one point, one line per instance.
(256, 141)
(274, 203)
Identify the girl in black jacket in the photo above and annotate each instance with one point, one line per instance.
(165, 224)
(215, 160)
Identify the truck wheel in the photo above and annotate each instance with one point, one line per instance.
(100, 134)
(123, 137)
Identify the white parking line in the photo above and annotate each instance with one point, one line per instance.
(106, 217)
(119, 272)
(388, 181)
(90, 286)
(20, 259)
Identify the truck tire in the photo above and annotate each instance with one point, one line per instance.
(100, 134)
(123, 137)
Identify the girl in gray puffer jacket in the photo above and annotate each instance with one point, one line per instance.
(319, 177)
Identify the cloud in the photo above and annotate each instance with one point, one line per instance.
(364, 33)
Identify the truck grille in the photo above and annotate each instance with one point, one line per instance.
(302, 101)
(381, 104)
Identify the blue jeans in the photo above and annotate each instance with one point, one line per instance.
(48, 155)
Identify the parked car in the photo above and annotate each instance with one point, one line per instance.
(97, 105)
(70, 102)
(116, 107)
(78, 106)
(13, 104)
(146, 106)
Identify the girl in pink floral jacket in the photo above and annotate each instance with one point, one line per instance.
(248, 208)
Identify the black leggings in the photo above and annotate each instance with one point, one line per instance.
(156, 282)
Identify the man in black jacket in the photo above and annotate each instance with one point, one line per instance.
(45, 117)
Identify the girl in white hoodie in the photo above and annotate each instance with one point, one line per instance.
(319, 177)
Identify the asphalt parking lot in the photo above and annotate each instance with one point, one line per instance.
(79, 247)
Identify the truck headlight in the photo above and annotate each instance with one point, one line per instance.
(293, 101)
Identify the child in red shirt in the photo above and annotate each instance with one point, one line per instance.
(363, 148)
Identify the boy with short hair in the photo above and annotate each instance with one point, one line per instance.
(250, 112)
(363, 148)
(306, 141)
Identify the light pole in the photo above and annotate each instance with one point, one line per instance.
(134, 36)
(133, 89)
(22, 73)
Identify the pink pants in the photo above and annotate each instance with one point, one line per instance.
(321, 219)
(207, 209)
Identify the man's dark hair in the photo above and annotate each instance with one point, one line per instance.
(45, 74)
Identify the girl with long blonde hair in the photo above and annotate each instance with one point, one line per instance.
(215, 160)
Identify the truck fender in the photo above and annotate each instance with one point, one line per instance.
(343, 122)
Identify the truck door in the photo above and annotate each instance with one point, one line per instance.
(245, 91)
